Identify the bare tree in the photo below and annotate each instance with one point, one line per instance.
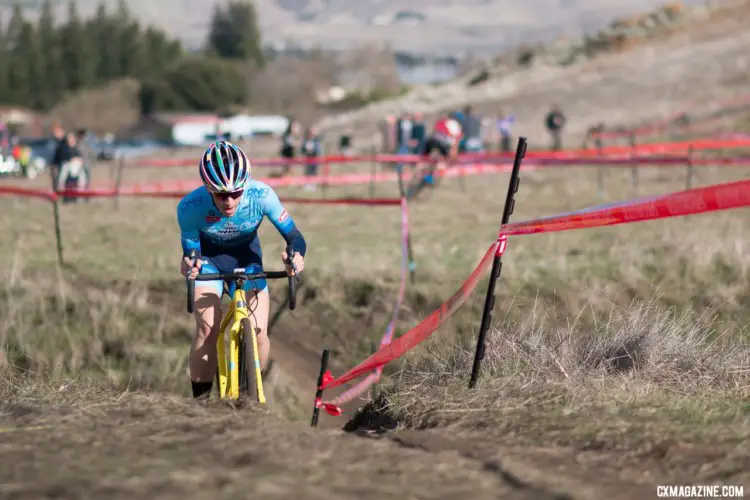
(370, 67)
(289, 84)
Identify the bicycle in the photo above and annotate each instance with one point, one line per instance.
(236, 377)
(421, 180)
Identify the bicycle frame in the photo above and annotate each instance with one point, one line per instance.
(228, 372)
(228, 364)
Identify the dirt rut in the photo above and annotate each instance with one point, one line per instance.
(151, 446)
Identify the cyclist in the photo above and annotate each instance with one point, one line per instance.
(444, 140)
(220, 220)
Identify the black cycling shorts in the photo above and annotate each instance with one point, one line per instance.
(435, 144)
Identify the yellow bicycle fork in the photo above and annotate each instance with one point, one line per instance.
(229, 376)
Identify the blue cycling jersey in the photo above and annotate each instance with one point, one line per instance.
(231, 242)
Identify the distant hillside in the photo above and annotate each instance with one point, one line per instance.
(699, 59)
(437, 26)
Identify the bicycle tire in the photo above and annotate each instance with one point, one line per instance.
(415, 187)
(242, 365)
(247, 367)
(292, 292)
(412, 187)
(217, 380)
(190, 295)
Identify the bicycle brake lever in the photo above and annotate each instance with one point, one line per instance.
(290, 258)
(193, 261)
(290, 262)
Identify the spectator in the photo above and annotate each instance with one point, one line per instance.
(388, 134)
(4, 139)
(403, 133)
(345, 143)
(15, 149)
(555, 121)
(289, 144)
(594, 133)
(86, 148)
(504, 124)
(71, 164)
(460, 117)
(311, 148)
(25, 160)
(61, 147)
(418, 134)
(22, 155)
(472, 127)
(403, 136)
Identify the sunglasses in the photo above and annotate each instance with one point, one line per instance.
(226, 196)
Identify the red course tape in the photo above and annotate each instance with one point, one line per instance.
(683, 146)
(28, 193)
(109, 193)
(693, 201)
(419, 333)
(374, 377)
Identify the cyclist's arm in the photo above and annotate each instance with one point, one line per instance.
(284, 224)
(189, 229)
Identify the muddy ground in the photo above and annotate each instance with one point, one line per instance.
(79, 443)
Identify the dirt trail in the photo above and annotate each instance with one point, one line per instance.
(296, 357)
(149, 446)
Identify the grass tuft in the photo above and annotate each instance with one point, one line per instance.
(641, 359)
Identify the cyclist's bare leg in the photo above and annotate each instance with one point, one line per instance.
(207, 323)
(259, 304)
(440, 164)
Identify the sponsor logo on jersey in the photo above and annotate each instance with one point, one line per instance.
(189, 203)
(212, 217)
(284, 216)
(227, 232)
(258, 193)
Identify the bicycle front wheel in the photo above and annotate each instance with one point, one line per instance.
(251, 384)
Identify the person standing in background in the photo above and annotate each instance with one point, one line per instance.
(504, 124)
(472, 127)
(418, 133)
(555, 121)
(403, 136)
(594, 133)
(345, 143)
(71, 167)
(460, 117)
(61, 152)
(22, 155)
(311, 147)
(388, 134)
(4, 139)
(86, 149)
(289, 144)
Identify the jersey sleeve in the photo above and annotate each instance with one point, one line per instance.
(283, 223)
(189, 228)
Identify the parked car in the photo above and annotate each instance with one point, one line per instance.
(105, 151)
(41, 147)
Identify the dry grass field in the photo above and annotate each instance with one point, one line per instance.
(618, 358)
